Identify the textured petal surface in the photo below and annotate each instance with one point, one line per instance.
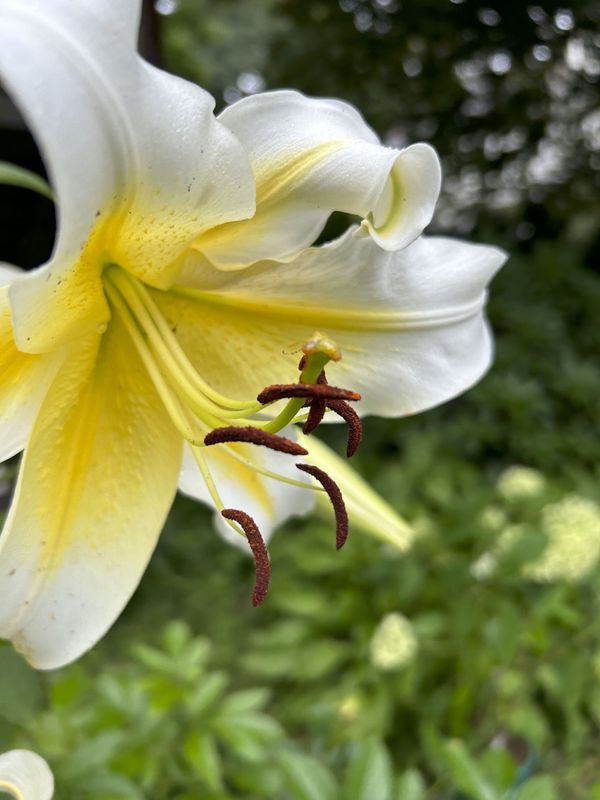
(410, 323)
(25, 776)
(311, 157)
(138, 162)
(24, 380)
(96, 482)
(268, 501)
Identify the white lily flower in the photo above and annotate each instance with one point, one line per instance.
(183, 282)
(25, 776)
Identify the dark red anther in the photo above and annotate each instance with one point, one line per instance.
(351, 418)
(284, 391)
(337, 501)
(252, 435)
(259, 552)
(318, 407)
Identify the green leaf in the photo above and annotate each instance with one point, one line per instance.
(306, 778)
(411, 786)
(370, 773)
(94, 753)
(245, 700)
(244, 745)
(12, 175)
(206, 694)
(247, 733)
(539, 788)
(252, 722)
(109, 785)
(20, 689)
(499, 767)
(465, 773)
(202, 753)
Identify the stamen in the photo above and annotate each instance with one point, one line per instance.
(251, 435)
(351, 418)
(170, 401)
(259, 552)
(337, 501)
(284, 391)
(315, 416)
(154, 323)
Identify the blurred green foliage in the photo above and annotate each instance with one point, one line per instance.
(194, 694)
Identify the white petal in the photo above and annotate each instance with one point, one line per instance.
(410, 323)
(406, 206)
(311, 157)
(25, 775)
(133, 153)
(25, 379)
(95, 485)
(268, 501)
(9, 273)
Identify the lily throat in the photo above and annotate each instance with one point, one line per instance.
(191, 402)
(205, 417)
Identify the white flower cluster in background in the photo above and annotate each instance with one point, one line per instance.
(518, 482)
(573, 529)
(570, 527)
(394, 643)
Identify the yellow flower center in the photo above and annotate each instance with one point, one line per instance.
(202, 415)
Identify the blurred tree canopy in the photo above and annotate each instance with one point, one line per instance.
(506, 91)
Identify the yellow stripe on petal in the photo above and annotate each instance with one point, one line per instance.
(96, 483)
(56, 303)
(24, 379)
(238, 354)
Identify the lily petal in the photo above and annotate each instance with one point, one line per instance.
(96, 483)
(130, 149)
(311, 157)
(410, 323)
(25, 776)
(24, 378)
(9, 273)
(268, 501)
